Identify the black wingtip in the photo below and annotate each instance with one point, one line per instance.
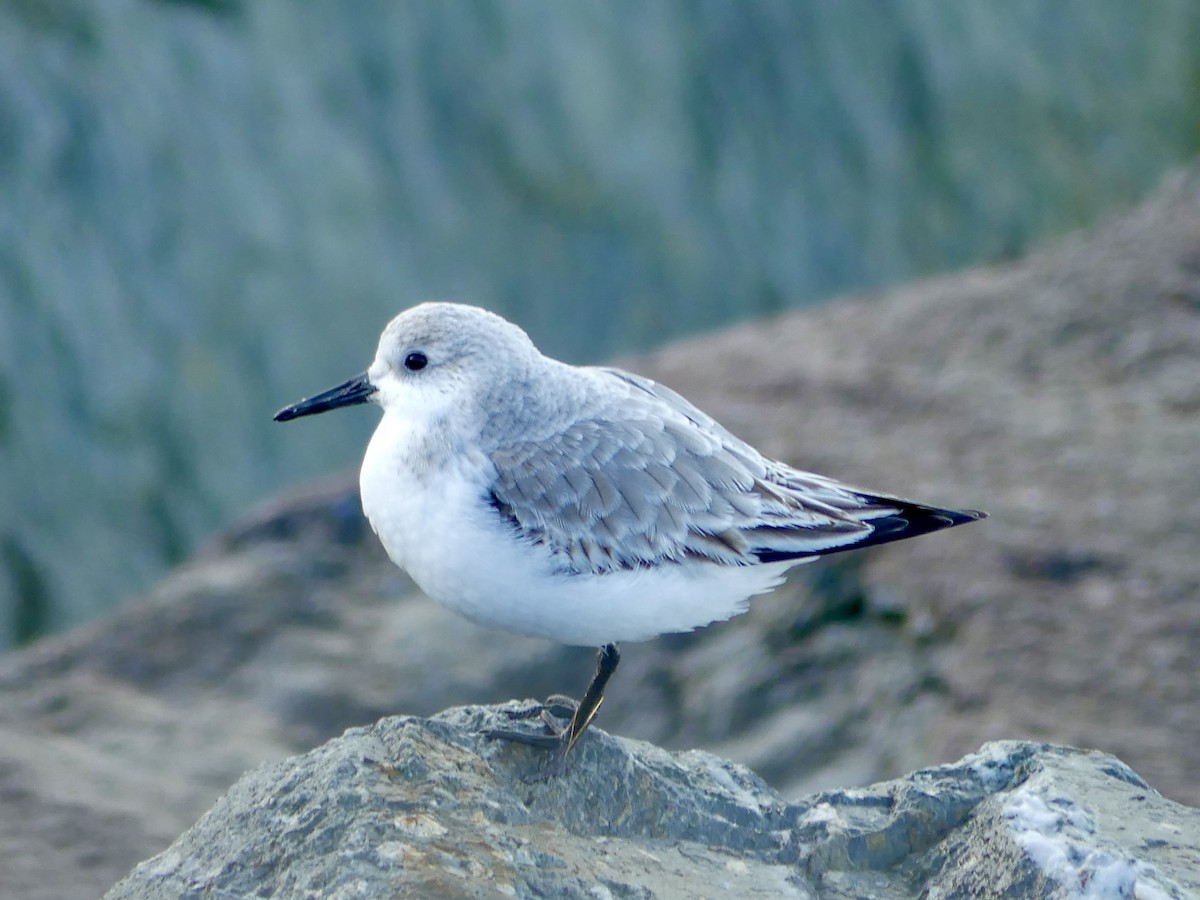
(915, 519)
(912, 520)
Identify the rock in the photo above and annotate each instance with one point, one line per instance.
(427, 807)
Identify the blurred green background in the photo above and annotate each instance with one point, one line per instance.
(209, 209)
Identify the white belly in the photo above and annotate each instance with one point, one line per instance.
(440, 528)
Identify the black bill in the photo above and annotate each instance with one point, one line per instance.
(356, 390)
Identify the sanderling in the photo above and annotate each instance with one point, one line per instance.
(583, 504)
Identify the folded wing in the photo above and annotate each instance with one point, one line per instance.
(649, 479)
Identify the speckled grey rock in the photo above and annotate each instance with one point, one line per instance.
(427, 807)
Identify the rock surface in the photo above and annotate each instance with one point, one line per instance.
(1059, 393)
(427, 807)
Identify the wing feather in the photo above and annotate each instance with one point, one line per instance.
(646, 478)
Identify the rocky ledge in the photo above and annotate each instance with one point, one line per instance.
(428, 807)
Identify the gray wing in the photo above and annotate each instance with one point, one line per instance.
(648, 478)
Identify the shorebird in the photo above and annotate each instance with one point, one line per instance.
(584, 504)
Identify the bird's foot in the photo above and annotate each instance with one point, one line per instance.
(552, 711)
(580, 714)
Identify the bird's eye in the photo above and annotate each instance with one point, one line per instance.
(415, 362)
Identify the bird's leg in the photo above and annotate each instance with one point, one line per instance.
(581, 713)
(607, 661)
